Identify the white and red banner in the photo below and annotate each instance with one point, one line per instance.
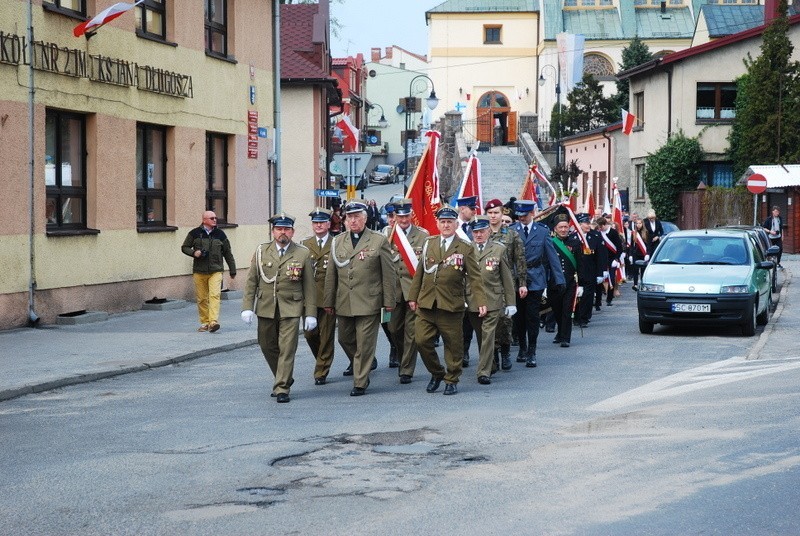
(529, 188)
(424, 188)
(533, 181)
(104, 17)
(471, 182)
(400, 240)
(349, 134)
(616, 208)
(639, 241)
(577, 226)
(590, 204)
(628, 120)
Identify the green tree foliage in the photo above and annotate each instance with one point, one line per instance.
(766, 129)
(636, 53)
(586, 109)
(674, 168)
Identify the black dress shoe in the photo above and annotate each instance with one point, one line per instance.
(282, 398)
(320, 381)
(394, 363)
(521, 355)
(506, 362)
(348, 371)
(450, 389)
(609, 304)
(550, 329)
(358, 391)
(557, 340)
(596, 307)
(530, 362)
(405, 378)
(483, 380)
(374, 364)
(433, 384)
(584, 324)
(564, 344)
(273, 395)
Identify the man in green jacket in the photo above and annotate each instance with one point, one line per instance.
(208, 246)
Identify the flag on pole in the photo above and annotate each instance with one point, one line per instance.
(529, 188)
(590, 204)
(628, 120)
(349, 134)
(104, 17)
(540, 178)
(424, 188)
(606, 204)
(616, 209)
(405, 249)
(471, 182)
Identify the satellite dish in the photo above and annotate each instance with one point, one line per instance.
(400, 109)
(372, 73)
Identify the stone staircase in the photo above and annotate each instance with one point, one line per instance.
(503, 171)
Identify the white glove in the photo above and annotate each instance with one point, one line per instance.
(310, 323)
(544, 293)
(511, 310)
(614, 264)
(605, 275)
(248, 317)
(600, 280)
(646, 258)
(580, 291)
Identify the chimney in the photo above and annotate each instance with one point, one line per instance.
(770, 10)
(663, 7)
(375, 53)
(388, 53)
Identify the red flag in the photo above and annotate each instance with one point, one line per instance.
(529, 187)
(616, 210)
(590, 203)
(405, 249)
(573, 199)
(628, 120)
(542, 179)
(104, 17)
(349, 134)
(471, 183)
(424, 188)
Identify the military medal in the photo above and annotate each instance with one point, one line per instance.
(362, 254)
(294, 270)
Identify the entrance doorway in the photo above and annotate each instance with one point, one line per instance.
(496, 123)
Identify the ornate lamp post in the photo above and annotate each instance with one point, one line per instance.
(382, 122)
(557, 77)
(432, 102)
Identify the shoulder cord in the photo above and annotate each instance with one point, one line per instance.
(269, 281)
(333, 253)
(425, 260)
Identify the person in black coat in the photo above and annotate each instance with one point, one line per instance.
(613, 244)
(774, 227)
(570, 254)
(654, 229)
(594, 267)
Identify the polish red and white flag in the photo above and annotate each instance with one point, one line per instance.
(350, 134)
(628, 120)
(405, 249)
(104, 17)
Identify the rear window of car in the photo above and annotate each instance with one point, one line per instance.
(704, 250)
(384, 169)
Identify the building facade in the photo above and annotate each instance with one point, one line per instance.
(116, 142)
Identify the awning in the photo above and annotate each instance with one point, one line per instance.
(777, 176)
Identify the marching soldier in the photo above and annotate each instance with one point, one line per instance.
(613, 245)
(280, 289)
(570, 252)
(594, 268)
(542, 264)
(394, 360)
(321, 339)
(516, 260)
(360, 280)
(498, 285)
(437, 294)
(466, 216)
(403, 322)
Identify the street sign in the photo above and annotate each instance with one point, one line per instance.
(326, 193)
(757, 183)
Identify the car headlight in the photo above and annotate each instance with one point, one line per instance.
(734, 289)
(651, 287)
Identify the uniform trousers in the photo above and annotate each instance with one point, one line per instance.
(562, 310)
(402, 327)
(429, 323)
(585, 304)
(207, 288)
(531, 304)
(485, 329)
(320, 340)
(277, 338)
(358, 336)
(520, 322)
(503, 333)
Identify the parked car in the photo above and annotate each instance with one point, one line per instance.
(362, 183)
(705, 277)
(669, 227)
(383, 174)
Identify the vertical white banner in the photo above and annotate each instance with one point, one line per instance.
(570, 59)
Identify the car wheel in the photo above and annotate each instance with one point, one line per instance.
(749, 327)
(645, 327)
(763, 318)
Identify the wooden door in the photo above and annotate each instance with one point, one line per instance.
(511, 132)
(484, 126)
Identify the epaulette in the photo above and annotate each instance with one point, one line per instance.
(467, 242)
(423, 229)
(432, 237)
(499, 244)
(300, 245)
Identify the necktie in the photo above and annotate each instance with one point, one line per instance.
(320, 243)
(525, 227)
(281, 252)
(444, 244)
(480, 248)
(464, 227)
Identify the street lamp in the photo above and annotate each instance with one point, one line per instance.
(432, 102)
(557, 75)
(382, 122)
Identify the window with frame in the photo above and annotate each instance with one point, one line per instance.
(151, 175)
(217, 175)
(216, 26)
(151, 17)
(78, 7)
(65, 170)
(641, 190)
(638, 110)
(491, 35)
(717, 174)
(716, 102)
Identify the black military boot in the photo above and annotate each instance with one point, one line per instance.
(393, 361)
(465, 361)
(530, 359)
(523, 349)
(505, 352)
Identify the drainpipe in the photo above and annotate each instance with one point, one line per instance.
(276, 104)
(669, 102)
(33, 318)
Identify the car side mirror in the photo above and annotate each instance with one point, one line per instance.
(773, 250)
(641, 263)
(766, 265)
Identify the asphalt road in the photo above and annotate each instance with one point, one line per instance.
(622, 433)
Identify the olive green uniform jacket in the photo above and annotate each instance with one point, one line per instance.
(496, 276)
(281, 286)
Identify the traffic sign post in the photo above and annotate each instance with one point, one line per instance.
(756, 184)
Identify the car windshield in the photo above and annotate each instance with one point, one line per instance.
(720, 250)
(383, 169)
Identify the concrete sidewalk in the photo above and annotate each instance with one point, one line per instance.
(49, 357)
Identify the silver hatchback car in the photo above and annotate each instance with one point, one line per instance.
(706, 277)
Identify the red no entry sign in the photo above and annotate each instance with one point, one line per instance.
(757, 183)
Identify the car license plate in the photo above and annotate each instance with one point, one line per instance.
(691, 307)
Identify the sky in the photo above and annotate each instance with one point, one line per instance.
(380, 23)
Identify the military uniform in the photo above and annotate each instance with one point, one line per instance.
(280, 289)
(403, 322)
(595, 262)
(570, 253)
(360, 280)
(440, 289)
(515, 256)
(498, 286)
(321, 339)
(614, 250)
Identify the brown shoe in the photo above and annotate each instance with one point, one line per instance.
(203, 327)
(213, 326)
